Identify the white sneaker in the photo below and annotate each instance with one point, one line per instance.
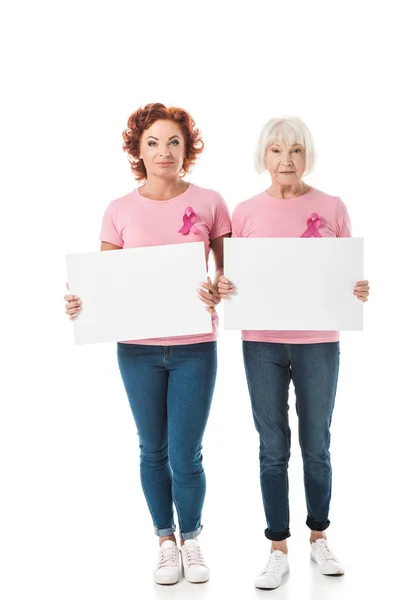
(167, 569)
(277, 566)
(194, 567)
(327, 562)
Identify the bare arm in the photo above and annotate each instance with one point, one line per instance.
(208, 293)
(217, 248)
(107, 246)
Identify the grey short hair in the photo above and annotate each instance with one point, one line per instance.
(290, 131)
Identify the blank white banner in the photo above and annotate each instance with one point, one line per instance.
(139, 293)
(294, 283)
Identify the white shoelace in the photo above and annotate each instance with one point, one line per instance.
(168, 557)
(193, 555)
(273, 565)
(324, 552)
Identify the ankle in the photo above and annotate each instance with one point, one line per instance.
(281, 545)
(317, 535)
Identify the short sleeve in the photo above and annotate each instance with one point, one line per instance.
(343, 222)
(109, 230)
(221, 218)
(237, 223)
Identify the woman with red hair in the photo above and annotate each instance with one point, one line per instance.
(169, 382)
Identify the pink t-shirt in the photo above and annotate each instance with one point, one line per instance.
(134, 221)
(267, 216)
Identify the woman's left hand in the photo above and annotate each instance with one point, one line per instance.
(361, 290)
(209, 295)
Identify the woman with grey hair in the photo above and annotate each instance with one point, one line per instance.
(292, 208)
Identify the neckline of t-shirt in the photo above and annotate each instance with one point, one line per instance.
(139, 195)
(309, 193)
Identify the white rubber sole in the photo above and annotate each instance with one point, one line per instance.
(260, 586)
(195, 579)
(163, 579)
(337, 573)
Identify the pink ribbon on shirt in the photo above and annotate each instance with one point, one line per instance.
(189, 219)
(313, 224)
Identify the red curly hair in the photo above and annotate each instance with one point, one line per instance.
(143, 118)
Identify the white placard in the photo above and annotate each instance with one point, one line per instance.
(139, 293)
(293, 283)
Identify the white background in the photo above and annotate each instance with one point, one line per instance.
(73, 520)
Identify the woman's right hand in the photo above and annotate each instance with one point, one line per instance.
(73, 305)
(225, 287)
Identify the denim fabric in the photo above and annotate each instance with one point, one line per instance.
(313, 368)
(170, 390)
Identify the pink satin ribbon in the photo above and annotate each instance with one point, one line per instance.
(313, 224)
(189, 219)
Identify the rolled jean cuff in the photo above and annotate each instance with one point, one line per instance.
(277, 536)
(190, 535)
(165, 532)
(317, 526)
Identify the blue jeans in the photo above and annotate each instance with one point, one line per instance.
(314, 370)
(170, 390)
